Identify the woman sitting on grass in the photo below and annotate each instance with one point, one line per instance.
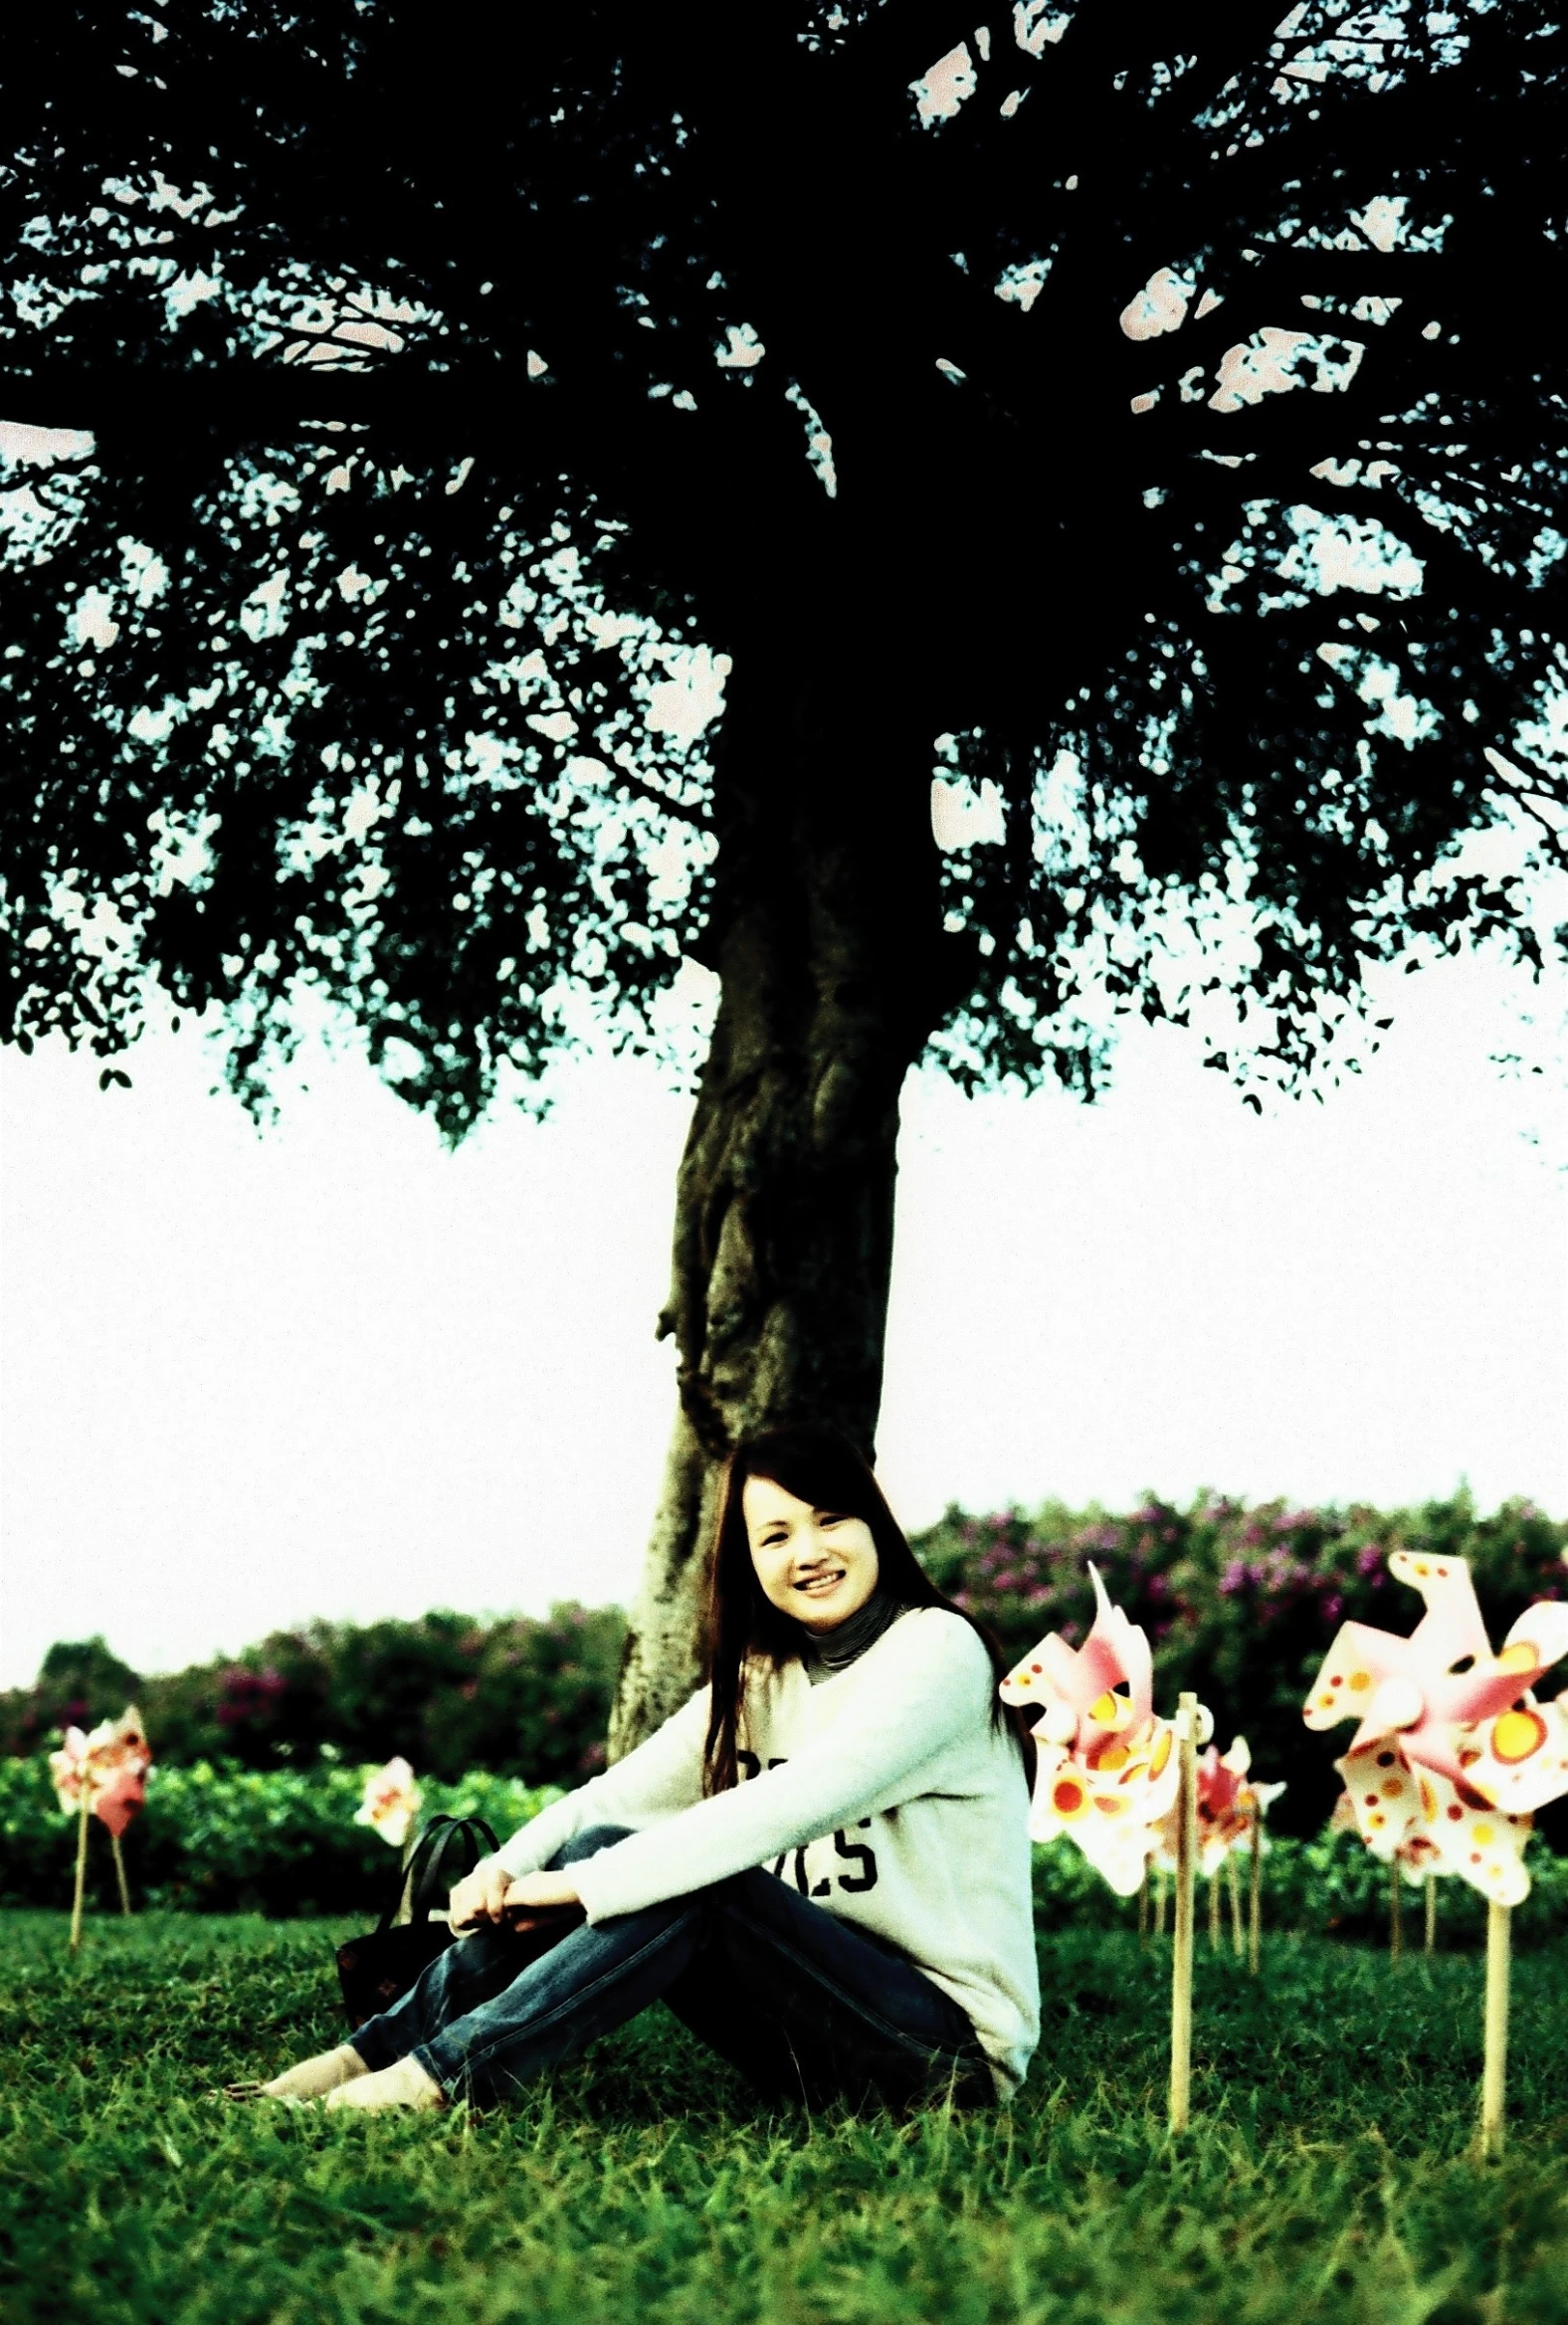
(820, 1863)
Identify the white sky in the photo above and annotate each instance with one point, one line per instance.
(333, 1370)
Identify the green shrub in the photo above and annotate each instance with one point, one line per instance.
(225, 1839)
(283, 1841)
(1239, 1604)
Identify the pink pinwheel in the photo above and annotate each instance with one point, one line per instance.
(391, 1802)
(122, 1797)
(67, 1770)
(120, 1743)
(111, 1763)
(119, 1760)
(1241, 1801)
(1229, 1806)
(1452, 1752)
(103, 1775)
(1106, 1769)
(1221, 1822)
(1415, 1855)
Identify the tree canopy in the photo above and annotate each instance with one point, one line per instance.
(411, 416)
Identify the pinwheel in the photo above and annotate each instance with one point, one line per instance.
(1409, 1863)
(1218, 1783)
(1108, 1770)
(1342, 1817)
(391, 1802)
(1231, 1811)
(68, 1771)
(1452, 1754)
(103, 1774)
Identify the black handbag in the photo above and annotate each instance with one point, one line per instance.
(375, 1970)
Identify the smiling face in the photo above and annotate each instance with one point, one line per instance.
(817, 1564)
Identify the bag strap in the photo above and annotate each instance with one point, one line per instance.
(408, 1875)
(460, 1838)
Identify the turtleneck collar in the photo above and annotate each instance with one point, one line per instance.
(828, 1653)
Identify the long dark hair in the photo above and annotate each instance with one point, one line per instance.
(819, 1466)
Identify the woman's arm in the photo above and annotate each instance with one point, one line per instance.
(925, 1682)
(663, 1776)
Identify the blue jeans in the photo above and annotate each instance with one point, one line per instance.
(805, 2005)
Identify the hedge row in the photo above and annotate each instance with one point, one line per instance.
(284, 1843)
(1239, 1604)
(228, 1840)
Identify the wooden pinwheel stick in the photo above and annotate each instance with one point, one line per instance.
(1233, 1882)
(119, 1873)
(1393, 1913)
(1160, 1886)
(1432, 1913)
(1255, 1918)
(81, 1868)
(1143, 1906)
(1495, 2063)
(1181, 1962)
(1214, 1911)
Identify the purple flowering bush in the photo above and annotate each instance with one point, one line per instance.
(1241, 1603)
(521, 1697)
(78, 1682)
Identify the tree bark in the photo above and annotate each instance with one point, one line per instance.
(834, 970)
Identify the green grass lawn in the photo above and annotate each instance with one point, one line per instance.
(1330, 2173)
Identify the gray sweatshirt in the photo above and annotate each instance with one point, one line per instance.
(884, 1792)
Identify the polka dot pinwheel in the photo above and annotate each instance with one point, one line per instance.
(103, 1774)
(110, 1765)
(1108, 1767)
(1452, 1752)
(1230, 1805)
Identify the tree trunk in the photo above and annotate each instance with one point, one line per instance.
(827, 938)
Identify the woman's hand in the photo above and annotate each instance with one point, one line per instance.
(490, 1891)
(479, 1896)
(542, 1890)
